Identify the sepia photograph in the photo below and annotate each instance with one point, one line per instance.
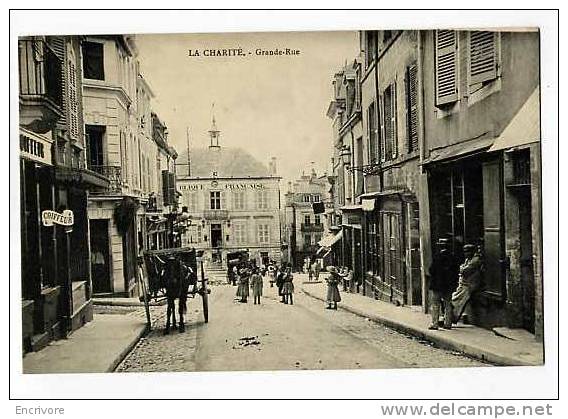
(365, 199)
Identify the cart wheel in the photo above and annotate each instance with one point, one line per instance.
(205, 297)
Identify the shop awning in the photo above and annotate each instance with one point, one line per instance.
(351, 208)
(460, 150)
(524, 128)
(331, 239)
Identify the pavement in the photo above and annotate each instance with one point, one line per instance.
(274, 337)
(500, 346)
(97, 347)
(104, 343)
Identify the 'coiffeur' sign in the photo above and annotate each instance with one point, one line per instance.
(49, 217)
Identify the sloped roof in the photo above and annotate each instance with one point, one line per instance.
(226, 161)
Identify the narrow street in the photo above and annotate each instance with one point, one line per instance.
(275, 336)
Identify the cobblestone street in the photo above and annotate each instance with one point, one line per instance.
(275, 336)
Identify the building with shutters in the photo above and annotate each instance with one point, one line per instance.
(233, 201)
(126, 144)
(54, 185)
(347, 184)
(451, 149)
(481, 163)
(376, 168)
(304, 228)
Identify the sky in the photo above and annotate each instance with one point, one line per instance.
(269, 105)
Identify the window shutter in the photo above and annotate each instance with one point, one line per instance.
(482, 56)
(165, 187)
(223, 200)
(383, 145)
(394, 137)
(388, 118)
(411, 107)
(446, 67)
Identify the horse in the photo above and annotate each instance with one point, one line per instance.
(176, 277)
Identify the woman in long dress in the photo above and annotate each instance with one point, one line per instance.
(333, 296)
(288, 286)
(243, 288)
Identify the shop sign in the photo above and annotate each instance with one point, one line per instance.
(36, 148)
(49, 218)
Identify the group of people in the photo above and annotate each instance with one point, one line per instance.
(313, 268)
(452, 285)
(248, 276)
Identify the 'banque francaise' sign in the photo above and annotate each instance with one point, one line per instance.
(49, 217)
(218, 185)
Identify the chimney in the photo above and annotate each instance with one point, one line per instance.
(272, 166)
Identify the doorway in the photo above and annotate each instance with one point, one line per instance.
(216, 235)
(100, 261)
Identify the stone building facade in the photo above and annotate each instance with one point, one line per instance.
(303, 227)
(233, 202)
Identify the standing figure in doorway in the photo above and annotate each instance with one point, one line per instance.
(469, 280)
(443, 280)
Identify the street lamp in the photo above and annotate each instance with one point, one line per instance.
(345, 155)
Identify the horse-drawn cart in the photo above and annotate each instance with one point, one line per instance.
(174, 273)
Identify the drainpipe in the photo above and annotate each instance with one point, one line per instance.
(424, 206)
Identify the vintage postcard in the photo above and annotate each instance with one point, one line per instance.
(280, 201)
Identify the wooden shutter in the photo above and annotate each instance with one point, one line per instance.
(446, 67)
(165, 187)
(412, 108)
(393, 121)
(492, 227)
(381, 119)
(482, 56)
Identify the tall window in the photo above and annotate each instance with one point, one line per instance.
(192, 201)
(372, 133)
(370, 47)
(317, 198)
(239, 233)
(317, 220)
(95, 142)
(262, 200)
(93, 60)
(307, 239)
(263, 233)
(215, 197)
(239, 200)
(306, 198)
(307, 220)
(411, 108)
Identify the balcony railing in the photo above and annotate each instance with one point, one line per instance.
(217, 214)
(114, 176)
(40, 74)
(311, 227)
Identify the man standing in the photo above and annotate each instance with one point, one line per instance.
(469, 280)
(443, 280)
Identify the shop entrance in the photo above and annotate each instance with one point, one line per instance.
(100, 268)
